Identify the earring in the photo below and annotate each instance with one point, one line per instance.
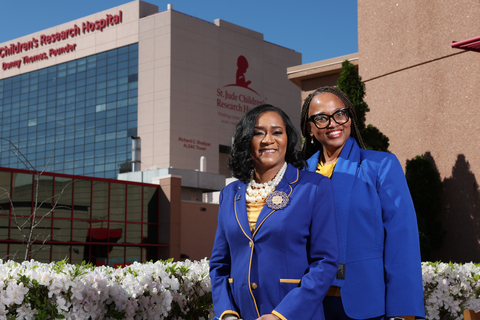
(311, 141)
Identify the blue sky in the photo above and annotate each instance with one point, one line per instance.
(319, 29)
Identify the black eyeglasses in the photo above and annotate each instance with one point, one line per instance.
(322, 121)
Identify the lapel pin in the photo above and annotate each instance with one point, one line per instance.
(277, 200)
(239, 196)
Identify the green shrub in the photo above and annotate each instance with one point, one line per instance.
(426, 187)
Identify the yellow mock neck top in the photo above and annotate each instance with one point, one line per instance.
(327, 170)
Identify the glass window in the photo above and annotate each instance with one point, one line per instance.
(39, 100)
(78, 163)
(134, 203)
(70, 85)
(79, 150)
(63, 197)
(116, 257)
(101, 107)
(78, 171)
(59, 252)
(41, 252)
(133, 78)
(91, 80)
(101, 92)
(4, 190)
(111, 72)
(4, 220)
(100, 153)
(102, 71)
(117, 208)
(101, 63)
(62, 230)
(150, 204)
(21, 194)
(113, 58)
(100, 192)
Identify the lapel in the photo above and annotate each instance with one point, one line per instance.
(241, 209)
(343, 179)
(286, 185)
(313, 161)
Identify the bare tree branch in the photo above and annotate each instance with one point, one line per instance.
(34, 219)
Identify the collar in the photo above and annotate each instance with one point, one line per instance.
(344, 155)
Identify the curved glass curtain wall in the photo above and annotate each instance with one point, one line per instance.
(84, 111)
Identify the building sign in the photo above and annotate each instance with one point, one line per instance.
(194, 143)
(233, 99)
(232, 102)
(46, 39)
(242, 66)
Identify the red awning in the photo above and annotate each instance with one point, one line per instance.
(472, 44)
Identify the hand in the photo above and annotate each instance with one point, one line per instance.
(268, 317)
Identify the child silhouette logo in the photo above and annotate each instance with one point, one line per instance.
(242, 66)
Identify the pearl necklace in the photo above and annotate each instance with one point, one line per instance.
(260, 191)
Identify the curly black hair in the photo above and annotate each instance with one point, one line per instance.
(240, 162)
(308, 149)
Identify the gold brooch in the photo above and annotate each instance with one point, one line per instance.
(277, 200)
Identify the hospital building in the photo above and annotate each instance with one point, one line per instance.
(123, 101)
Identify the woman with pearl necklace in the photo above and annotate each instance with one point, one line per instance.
(276, 249)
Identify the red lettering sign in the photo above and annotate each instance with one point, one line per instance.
(46, 39)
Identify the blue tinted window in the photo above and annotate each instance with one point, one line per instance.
(82, 109)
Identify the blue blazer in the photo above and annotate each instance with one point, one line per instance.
(377, 233)
(289, 262)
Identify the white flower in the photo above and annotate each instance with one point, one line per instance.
(142, 291)
(15, 293)
(25, 312)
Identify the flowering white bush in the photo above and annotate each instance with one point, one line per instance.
(450, 288)
(174, 291)
(160, 290)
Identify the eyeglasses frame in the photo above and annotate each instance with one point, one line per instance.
(330, 116)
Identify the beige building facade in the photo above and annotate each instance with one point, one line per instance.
(197, 80)
(424, 96)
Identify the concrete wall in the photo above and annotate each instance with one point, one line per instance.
(425, 96)
(187, 226)
(198, 226)
(170, 217)
(312, 76)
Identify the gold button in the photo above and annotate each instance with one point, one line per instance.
(250, 243)
(254, 286)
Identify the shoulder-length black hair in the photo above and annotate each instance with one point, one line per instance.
(309, 148)
(240, 162)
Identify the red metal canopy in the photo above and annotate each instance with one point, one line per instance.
(472, 44)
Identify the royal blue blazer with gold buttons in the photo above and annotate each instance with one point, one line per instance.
(377, 234)
(288, 263)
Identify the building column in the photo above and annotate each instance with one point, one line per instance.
(169, 215)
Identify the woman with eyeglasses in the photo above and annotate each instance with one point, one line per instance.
(379, 274)
(275, 250)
